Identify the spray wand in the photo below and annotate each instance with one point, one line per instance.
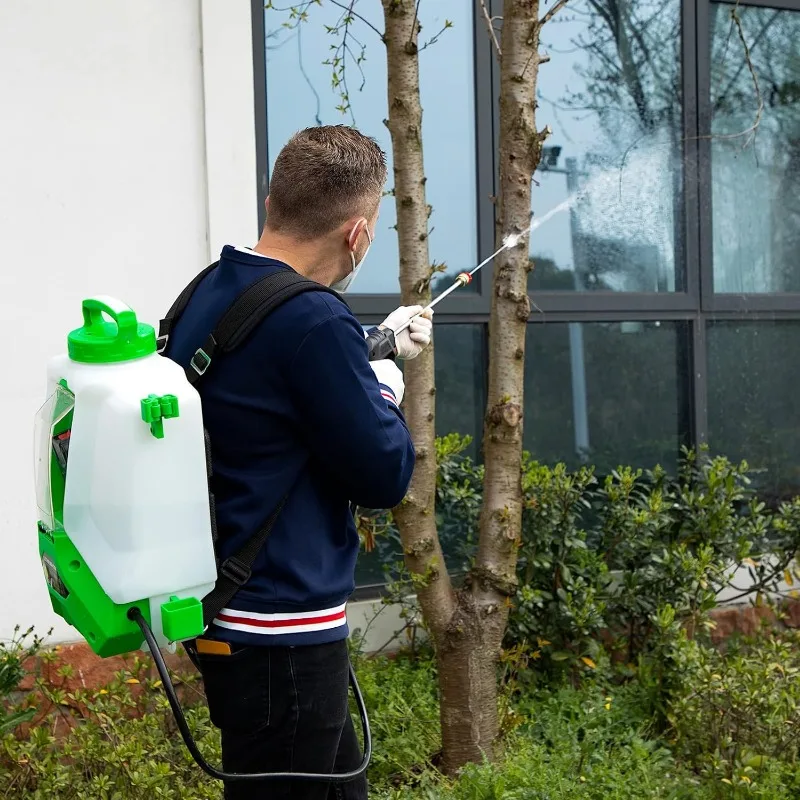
(381, 341)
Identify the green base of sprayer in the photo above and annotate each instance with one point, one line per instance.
(78, 598)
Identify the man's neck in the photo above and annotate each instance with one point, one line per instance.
(306, 259)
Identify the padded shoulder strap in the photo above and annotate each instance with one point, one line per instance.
(178, 307)
(246, 313)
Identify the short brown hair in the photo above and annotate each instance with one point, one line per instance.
(322, 177)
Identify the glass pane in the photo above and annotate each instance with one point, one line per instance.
(299, 94)
(755, 149)
(460, 381)
(753, 413)
(612, 96)
(460, 399)
(607, 394)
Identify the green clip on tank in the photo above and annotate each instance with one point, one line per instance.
(122, 486)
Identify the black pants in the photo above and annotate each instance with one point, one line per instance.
(284, 709)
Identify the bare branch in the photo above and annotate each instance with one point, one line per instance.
(751, 131)
(414, 24)
(552, 12)
(434, 39)
(490, 27)
(349, 10)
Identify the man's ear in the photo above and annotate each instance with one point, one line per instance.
(357, 228)
(266, 204)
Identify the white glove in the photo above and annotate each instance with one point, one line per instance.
(417, 336)
(389, 375)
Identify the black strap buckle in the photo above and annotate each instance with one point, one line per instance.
(161, 343)
(236, 571)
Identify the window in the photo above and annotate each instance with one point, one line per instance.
(666, 288)
(460, 400)
(605, 393)
(612, 96)
(754, 371)
(299, 94)
(460, 382)
(755, 149)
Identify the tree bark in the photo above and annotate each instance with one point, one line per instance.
(493, 580)
(415, 516)
(467, 625)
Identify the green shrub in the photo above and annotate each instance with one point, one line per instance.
(600, 559)
(13, 656)
(611, 556)
(402, 702)
(111, 743)
(738, 711)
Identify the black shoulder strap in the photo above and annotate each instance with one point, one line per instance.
(246, 313)
(236, 570)
(178, 307)
(240, 319)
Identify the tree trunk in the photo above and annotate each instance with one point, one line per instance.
(466, 662)
(415, 516)
(493, 580)
(468, 625)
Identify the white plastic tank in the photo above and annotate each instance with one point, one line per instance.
(136, 500)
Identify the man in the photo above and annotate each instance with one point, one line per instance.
(298, 411)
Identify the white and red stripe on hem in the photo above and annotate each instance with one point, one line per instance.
(274, 624)
(388, 394)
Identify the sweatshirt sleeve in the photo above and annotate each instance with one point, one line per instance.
(351, 421)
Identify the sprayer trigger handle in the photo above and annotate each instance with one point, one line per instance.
(381, 344)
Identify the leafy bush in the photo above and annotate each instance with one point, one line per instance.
(600, 560)
(612, 556)
(110, 743)
(13, 656)
(738, 711)
(590, 742)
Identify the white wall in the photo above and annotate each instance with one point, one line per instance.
(127, 145)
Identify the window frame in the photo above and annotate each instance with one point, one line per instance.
(712, 301)
(695, 303)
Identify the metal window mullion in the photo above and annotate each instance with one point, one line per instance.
(691, 170)
(260, 105)
(699, 381)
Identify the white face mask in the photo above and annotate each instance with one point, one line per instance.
(344, 284)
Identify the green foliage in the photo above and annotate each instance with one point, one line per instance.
(112, 743)
(401, 696)
(593, 741)
(738, 711)
(13, 656)
(612, 556)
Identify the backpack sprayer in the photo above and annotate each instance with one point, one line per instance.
(127, 535)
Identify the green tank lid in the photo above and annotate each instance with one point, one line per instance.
(101, 342)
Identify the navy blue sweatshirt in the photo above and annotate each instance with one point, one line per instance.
(295, 410)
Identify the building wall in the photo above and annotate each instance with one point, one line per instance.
(127, 158)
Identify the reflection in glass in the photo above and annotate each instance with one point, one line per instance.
(606, 394)
(753, 410)
(460, 401)
(755, 149)
(299, 94)
(612, 96)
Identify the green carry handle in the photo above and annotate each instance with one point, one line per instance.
(123, 315)
(102, 342)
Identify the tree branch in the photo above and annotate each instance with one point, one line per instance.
(349, 10)
(490, 27)
(552, 12)
(414, 25)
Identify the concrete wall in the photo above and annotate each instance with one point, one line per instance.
(127, 158)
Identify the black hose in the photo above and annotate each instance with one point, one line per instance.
(337, 777)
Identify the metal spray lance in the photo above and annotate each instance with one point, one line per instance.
(381, 341)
